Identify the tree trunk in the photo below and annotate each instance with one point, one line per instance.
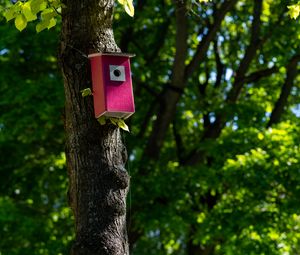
(95, 154)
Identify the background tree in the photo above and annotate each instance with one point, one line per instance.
(214, 145)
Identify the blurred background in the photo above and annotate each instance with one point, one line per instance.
(214, 143)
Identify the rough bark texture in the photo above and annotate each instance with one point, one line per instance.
(95, 154)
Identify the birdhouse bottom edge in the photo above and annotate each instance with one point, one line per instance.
(119, 115)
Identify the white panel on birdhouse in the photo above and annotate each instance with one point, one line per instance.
(117, 73)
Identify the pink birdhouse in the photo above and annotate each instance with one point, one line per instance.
(112, 85)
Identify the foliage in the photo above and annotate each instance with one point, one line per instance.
(34, 215)
(23, 12)
(242, 194)
(128, 6)
(294, 10)
(86, 92)
(115, 121)
(46, 12)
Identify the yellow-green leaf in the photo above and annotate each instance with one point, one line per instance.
(10, 13)
(47, 14)
(122, 124)
(128, 6)
(86, 92)
(42, 25)
(56, 3)
(260, 136)
(102, 120)
(37, 5)
(26, 10)
(121, 1)
(294, 10)
(20, 22)
(52, 23)
(114, 121)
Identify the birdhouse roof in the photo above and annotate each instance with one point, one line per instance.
(113, 54)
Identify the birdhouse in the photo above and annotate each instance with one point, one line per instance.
(112, 85)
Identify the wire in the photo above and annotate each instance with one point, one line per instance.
(79, 51)
(129, 191)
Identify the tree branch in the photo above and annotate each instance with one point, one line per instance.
(257, 75)
(172, 93)
(202, 86)
(204, 44)
(255, 43)
(179, 143)
(214, 129)
(285, 90)
(219, 65)
(151, 91)
(147, 118)
(179, 72)
(162, 35)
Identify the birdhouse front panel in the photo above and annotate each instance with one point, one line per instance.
(112, 85)
(119, 97)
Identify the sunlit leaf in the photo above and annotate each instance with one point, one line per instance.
(38, 5)
(122, 125)
(86, 92)
(52, 23)
(20, 22)
(26, 10)
(294, 10)
(128, 6)
(10, 13)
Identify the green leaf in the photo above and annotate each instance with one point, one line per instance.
(119, 123)
(26, 10)
(48, 20)
(294, 10)
(86, 92)
(114, 121)
(56, 3)
(102, 120)
(52, 23)
(20, 22)
(128, 6)
(47, 14)
(10, 13)
(42, 25)
(122, 125)
(38, 5)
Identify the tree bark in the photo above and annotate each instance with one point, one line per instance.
(98, 181)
